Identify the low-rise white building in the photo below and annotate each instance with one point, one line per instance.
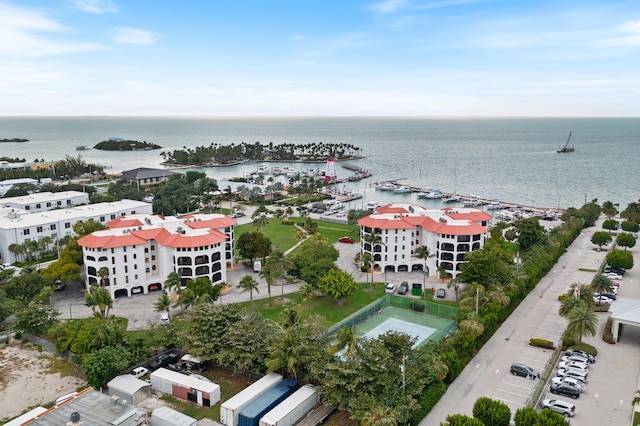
(18, 227)
(394, 231)
(45, 201)
(139, 251)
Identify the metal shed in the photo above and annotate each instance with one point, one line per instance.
(129, 388)
(165, 416)
(185, 387)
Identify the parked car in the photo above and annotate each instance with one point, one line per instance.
(523, 370)
(573, 372)
(565, 408)
(601, 299)
(576, 357)
(341, 214)
(390, 288)
(163, 360)
(572, 380)
(4, 266)
(441, 293)
(583, 354)
(613, 276)
(164, 318)
(610, 296)
(573, 364)
(404, 288)
(347, 240)
(619, 271)
(566, 389)
(139, 372)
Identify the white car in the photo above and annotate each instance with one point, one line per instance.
(390, 288)
(574, 364)
(576, 382)
(573, 372)
(164, 318)
(576, 357)
(139, 372)
(341, 214)
(613, 276)
(567, 409)
(601, 299)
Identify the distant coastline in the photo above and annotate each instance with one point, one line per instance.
(14, 140)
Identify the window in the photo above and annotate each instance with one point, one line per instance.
(68, 202)
(48, 204)
(125, 257)
(114, 270)
(135, 266)
(38, 206)
(58, 203)
(113, 216)
(113, 260)
(27, 207)
(153, 267)
(153, 248)
(147, 270)
(26, 232)
(153, 257)
(39, 229)
(126, 279)
(67, 225)
(135, 256)
(101, 218)
(126, 269)
(135, 277)
(53, 227)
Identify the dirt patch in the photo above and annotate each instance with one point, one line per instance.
(30, 378)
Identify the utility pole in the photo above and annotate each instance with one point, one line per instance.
(402, 369)
(477, 297)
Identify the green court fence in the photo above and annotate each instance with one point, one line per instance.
(428, 308)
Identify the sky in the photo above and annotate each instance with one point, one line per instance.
(443, 58)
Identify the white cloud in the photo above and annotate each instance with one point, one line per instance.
(99, 7)
(135, 36)
(632, 37)
(26, 33)
(388, 6)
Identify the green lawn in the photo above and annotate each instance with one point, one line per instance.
(325, 306)
(283, 236)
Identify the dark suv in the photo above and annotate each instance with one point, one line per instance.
(566, 389)
(404, 288)
(524, 371)
(163, 360)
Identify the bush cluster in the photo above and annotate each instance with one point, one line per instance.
(541, 343)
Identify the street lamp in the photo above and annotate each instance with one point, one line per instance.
(402, 369)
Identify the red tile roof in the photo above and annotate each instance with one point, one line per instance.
(110, 241)
(474, 216)
(123, 222)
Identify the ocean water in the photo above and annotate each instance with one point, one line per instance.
(510, 159)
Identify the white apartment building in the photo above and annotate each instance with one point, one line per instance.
(140, 250)
(18, 226)
(45, 201)
(401, 228)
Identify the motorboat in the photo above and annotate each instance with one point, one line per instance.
(434, 194)
(472, 201)
(386, 186)
(401, 189)
(494, 205)
(451, 198)
(372, 205)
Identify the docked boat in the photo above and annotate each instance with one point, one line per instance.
(263, 169)
(566, 147)
(494, 205)
(372, 205)
(83, 148)
(434, 194)
(401, 189)
(386, 186)
(472, 201)
(451, 198)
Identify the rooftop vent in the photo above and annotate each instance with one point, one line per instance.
(443, 219)
(75, 417)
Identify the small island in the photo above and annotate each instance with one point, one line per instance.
(225, 155)
(14, 140)
(126, 145)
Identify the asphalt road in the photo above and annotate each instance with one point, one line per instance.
(612, 380)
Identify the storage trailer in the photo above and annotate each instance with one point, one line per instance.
(230, 409)
(252, 413)
(292, 409)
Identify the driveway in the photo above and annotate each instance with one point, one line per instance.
(614, 378)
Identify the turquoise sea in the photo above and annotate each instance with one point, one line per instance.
(511, 159)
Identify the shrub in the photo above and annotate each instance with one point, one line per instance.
(541, 343)
(568, 340)
(430, 396)
(585, 347)
(364, 268)
(563, 296)
(492, 412)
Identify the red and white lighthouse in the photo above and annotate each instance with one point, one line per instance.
(330, 172)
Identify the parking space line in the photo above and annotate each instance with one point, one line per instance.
(512, 393)
(509, 402)
(517, 385)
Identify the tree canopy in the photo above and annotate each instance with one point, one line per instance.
(338, 284)
(253, 245)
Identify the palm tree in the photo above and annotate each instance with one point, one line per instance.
(367, 260)
(187, 298)
(379, 416)
(287, 355)
(163, 304)
(586, 293)
(101, 298)
(307, 292)
(582, 322)
(568, 304)
(247, 283)
(173, 281)
(453, 283)
(472, 326)
(422, 252)
(373, 239)
(346, 338)
(279, 262)
(103, 273)
(601, 284)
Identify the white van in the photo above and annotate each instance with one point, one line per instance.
(257, 266)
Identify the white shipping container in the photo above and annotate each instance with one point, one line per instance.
(230, 409)
(292, 409)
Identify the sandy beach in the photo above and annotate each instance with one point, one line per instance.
(27, 380)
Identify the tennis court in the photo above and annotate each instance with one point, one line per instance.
(393, 314)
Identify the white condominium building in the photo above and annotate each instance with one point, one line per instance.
(137, 252)
(19, 226)
(394, 231)
(45, 201)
